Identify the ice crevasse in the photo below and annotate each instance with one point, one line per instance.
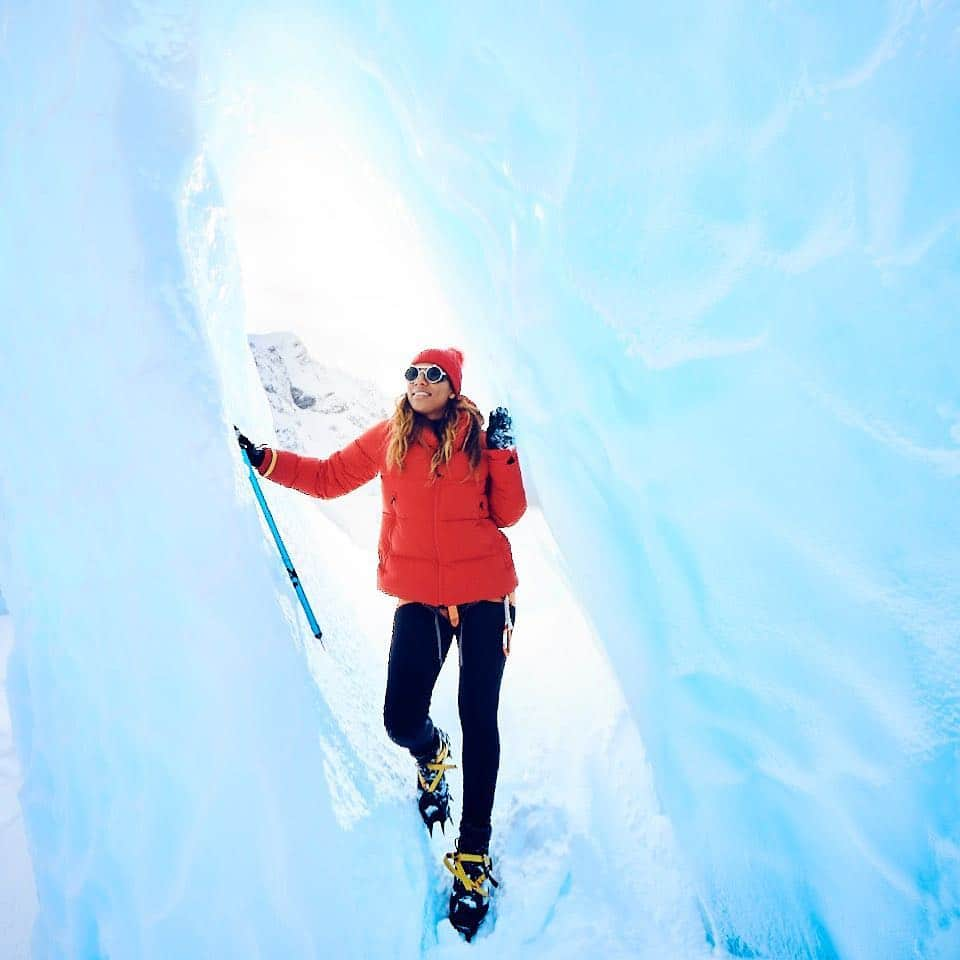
(724, 299)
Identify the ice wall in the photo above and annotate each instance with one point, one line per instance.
(711, 250)
(174, 791)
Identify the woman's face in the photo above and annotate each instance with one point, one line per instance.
(428, 398)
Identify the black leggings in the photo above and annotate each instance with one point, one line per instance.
(421, 639)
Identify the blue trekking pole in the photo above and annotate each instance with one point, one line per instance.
(287, 562)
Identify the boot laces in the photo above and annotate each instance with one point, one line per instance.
(436, 767)
(472, 870)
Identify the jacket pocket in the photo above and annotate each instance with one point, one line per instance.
(388, 521)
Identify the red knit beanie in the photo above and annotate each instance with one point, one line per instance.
(451, 360)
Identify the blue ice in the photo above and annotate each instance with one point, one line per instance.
(712, 250)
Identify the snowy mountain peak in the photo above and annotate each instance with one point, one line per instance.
(316, 409)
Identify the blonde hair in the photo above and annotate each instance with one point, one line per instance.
(403, 424)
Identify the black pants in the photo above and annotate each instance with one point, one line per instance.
(421, 639)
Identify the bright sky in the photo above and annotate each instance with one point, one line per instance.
(327, 246)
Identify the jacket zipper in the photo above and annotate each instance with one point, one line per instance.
(436, 547)
(436, 536)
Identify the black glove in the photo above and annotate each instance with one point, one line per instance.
(500, 430)
(255, 454)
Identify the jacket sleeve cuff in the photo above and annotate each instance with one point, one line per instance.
(269, 462)
(509, 455)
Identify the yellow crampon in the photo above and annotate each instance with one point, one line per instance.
(454, 863)
(437, 767)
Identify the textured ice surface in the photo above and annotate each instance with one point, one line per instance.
(719, 246)
(708, 254)
(170, 737)
(201, 780)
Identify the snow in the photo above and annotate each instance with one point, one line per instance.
(707, 258)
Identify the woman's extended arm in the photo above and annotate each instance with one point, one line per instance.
(340, 473)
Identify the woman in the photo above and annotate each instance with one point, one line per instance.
(448, 486)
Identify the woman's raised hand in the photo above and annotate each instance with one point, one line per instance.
(500, 430)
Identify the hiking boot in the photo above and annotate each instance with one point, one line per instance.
(470, 898)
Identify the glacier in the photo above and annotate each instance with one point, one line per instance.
(707, 254)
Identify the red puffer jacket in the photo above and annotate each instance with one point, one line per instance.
(439, 539)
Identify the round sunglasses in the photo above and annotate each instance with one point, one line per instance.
(433, 373)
